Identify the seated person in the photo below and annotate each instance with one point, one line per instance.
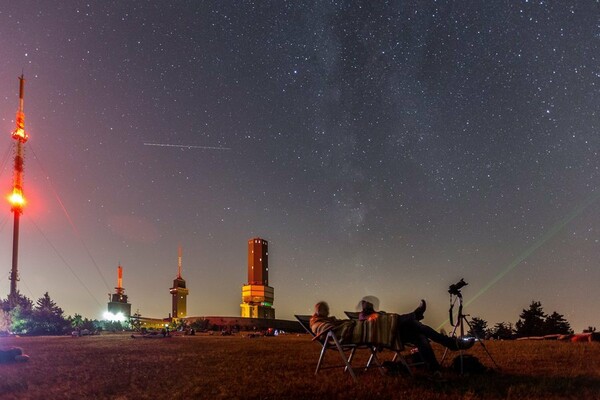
(321, 322)
(387, 330)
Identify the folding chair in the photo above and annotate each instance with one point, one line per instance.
(398, 356)
(328, 340)
(374, 349)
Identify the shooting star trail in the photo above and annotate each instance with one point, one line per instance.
(186, 146)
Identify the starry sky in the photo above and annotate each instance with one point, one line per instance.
(382, 148)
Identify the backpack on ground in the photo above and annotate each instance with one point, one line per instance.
(470, 364)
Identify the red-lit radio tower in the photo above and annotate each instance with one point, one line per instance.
(16, 198)
(117, 302)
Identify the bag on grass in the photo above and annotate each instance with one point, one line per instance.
(470, 364)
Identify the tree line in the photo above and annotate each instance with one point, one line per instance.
(19, 315)
(533, 321)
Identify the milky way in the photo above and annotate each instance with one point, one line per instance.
(382, 148)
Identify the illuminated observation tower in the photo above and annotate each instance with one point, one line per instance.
(257, 295)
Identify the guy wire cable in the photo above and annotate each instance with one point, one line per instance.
(64, 261)
(70, 220)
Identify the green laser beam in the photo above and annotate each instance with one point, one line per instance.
(539, 243)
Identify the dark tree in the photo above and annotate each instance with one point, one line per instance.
(135, 322)
(81, 323)
(76, 321)
(18, 300)
(200, 324)
(179, 325)
(48, 318)
(556, 323)
(532, 321)
(115, 326)
(502, 330)
(18, 313)
(590, 329)
(478, 328)
(90, 324)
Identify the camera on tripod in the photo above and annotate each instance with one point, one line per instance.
(455, 288)
(461, 321)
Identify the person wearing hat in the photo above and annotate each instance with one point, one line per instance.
(369, 304)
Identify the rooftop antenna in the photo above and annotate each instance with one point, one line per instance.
(16, 198)
(179, 262)
(119, 289)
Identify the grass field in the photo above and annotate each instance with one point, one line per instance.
(115, 366)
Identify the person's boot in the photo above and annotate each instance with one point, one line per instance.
(420, 311)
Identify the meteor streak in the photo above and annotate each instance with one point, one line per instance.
(186, 146)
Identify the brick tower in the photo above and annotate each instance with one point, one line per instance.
(257, 295)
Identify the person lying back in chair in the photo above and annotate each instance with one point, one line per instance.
(386, 329)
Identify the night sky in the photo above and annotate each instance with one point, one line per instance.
(383, 148)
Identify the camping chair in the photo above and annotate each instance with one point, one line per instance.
(328, 341)
(398, 357)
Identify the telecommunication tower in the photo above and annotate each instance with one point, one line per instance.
(16, 198)
(118, 300)
(179, 292)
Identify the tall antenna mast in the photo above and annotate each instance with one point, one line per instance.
(179, 262)
(17, 200)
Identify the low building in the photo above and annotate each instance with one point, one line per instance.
(222, 323)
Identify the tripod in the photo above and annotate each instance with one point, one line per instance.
(461, 320)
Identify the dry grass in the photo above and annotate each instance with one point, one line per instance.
(215, 367)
